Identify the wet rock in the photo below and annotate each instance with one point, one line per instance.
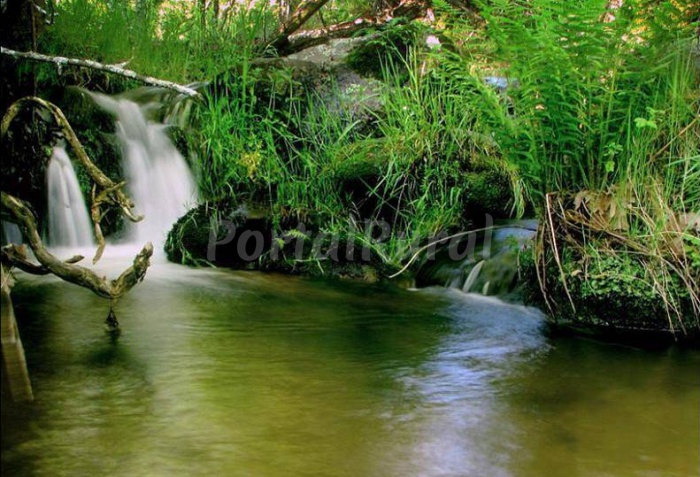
(244, 235)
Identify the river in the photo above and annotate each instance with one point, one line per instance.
(222, 373)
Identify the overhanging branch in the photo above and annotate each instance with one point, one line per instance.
(61, 61)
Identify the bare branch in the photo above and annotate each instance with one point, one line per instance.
(300, 16)
(61, 61)
(16, 255)
(22, 215)
(297, 40)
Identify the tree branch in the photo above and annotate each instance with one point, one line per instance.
(114, 289)
(16, 255)
(61, 61)
(299, 40)
(300, 16)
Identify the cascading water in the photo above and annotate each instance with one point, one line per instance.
(158, 178)
(68, 221)
(492, 266)
(10, 233)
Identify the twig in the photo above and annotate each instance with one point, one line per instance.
(450, 237)
(680, 133)
(556, 251)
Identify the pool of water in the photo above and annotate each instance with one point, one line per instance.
(221, 373)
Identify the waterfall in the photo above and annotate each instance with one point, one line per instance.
(158, 177)
(69, 224)
(491, 268)
(10, 233)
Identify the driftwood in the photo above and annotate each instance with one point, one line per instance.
(61, 62)
(22, 215)
(110, 193)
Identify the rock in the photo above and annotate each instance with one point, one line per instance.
(332, 54)
(240, 235)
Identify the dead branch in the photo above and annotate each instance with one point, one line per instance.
(301, 15)
(298, 40)
(16, 255)
(22, 215)
(61, 62)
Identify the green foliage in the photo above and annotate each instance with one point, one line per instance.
(169, 40)
(391, 45)
(591, 101)
(589, 105)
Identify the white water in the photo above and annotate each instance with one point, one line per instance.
(158, 178)
(68, 221)
(10, 234)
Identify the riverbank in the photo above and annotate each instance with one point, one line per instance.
(420, 129)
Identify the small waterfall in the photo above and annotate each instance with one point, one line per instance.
(473, 275)
(492, 266)
(158, 177)
(69, 224)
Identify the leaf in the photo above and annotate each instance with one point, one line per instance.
(642, 123)
(579, 199)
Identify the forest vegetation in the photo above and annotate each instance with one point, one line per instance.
(583, 114)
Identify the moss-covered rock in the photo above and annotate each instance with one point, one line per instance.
(241, 235)
(604, 291)
(488, 191)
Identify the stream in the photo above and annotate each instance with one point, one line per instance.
(222, 373)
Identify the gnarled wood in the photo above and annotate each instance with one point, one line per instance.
(22, 215)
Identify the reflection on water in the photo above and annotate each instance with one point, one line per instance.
(243, 374)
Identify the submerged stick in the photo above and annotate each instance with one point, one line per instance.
(13, 359)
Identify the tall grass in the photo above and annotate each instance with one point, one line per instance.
(170, 40)
(606, 117)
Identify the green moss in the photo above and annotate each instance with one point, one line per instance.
(609, 289)
(488, 191)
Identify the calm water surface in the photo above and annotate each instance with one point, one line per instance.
(220, 373)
